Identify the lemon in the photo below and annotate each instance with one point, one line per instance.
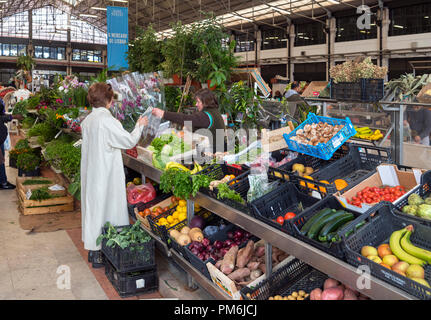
(162, 221)
(182, 209)
(182, 216)
(182, 203)
(174, 222)
(170, 219)
(175, 215)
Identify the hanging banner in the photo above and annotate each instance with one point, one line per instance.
(118, 37)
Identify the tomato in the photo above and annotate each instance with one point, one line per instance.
(174, 199)
(369, 200)
(280, 220)
(147, 212)
(289, 215)
(398, 194)
(357, 203)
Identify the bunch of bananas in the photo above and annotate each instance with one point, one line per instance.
(197, 167)
(367, 134)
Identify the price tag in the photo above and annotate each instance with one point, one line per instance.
(78, 143)
(337, 142)
(140, 283)
(28, 194)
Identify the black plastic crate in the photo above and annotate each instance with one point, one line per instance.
(381, 222)
(132, 283)
(218, 172)
(161, 231)
(242, 186)
(294, 276)
(136, 257)
(358, 165)
(365, 90)
(12, 163)
(34, 173)
(160, 196)
(333, 248)
(286, 198)
(423, 190)
(221, 236)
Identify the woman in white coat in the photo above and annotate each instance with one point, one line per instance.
(103, 191)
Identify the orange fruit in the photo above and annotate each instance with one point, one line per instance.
(322, 189)
(340, 184)
(309, 185)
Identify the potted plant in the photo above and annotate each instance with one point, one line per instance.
(22, 146)
(28, 164)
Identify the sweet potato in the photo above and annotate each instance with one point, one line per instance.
(253, 265)
(240, 273)
(334, 293)
(218, 264)
(349, 295)
(228, 262)
(330, 283)
(260, 251)
(316, 294)
(262, 267)
(283, 256)
(245, 255)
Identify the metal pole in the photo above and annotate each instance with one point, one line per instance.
(401, 134)
(268, 259)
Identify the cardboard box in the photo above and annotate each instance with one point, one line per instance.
(314, 88)
(228, 286)
(387, 174)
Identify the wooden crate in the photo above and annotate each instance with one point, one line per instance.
(58, 204)
(20, 185)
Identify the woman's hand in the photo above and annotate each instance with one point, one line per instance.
(143, 121)
(159, 113)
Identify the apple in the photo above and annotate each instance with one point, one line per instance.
(399, 272)
(415, 271)
(376, 259)
(384, 250)
(385, 265)
(390, 260)
(369, 251)
(401, 267)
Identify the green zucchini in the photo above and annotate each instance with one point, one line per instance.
(333, 225)
(319, 223)
(324, 212)
(336, 237)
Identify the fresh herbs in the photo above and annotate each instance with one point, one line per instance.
(35, 182)
(125, 237)
(41, 194)
(181, 183)
(224, 192)
(28, 161)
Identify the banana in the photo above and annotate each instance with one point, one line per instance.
(412, 249)
(394, 244)
(175, 165)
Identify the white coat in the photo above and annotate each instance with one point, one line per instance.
(103, 191)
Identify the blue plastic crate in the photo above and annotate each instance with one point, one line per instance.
(322, 150)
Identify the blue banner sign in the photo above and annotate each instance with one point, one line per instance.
(118, 37)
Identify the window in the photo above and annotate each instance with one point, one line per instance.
(76, 55)
(309, 34)
(13, 50)
(244, 42)
(273, 39)
(410, 20)
(38, 52)
(347, 29)
(22, 50)
(6, 49)
(46, 52)
(61, 53)
(87, 55)
(98, 56)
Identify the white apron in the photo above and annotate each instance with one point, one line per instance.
(103, 189)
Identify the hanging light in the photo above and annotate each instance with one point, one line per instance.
(88, 15)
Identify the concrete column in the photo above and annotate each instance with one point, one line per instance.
(69, 48)
(385, 35)
(291, 46)
(330, 40)
(258, 49)
(30, 48)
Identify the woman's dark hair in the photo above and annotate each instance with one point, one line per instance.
(208, 98)
(277, 93)
(294, 85)
(100, 94)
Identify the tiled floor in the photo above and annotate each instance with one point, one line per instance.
(35, 265)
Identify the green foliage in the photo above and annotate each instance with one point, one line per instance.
(173, 98)
(22, 146)
(41, 194)
(224, 192)
(26, 63)
(79, 96)
(64, 156)
(28, 161)
(27, 122)
(144, 53)
(44, 130)
(101, 77)
(129, 236)
(75, 186)
(33, 182)
(181, 183)
(20, 108)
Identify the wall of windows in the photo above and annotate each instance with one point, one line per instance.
(309, 34)
(274, 39)
(87, 55)
(410, 20)
(347, 29)
(16, 26)
(12, 49)
(46, 52)
(244, 42)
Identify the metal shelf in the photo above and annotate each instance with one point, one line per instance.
(318, 259)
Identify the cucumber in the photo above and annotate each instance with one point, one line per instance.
(324, 212)
(319, 223)
(334, 237)
(333, 225)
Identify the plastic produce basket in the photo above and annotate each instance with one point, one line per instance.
(137, 257)
(161, 231)
(160, 196)
(333, 248)
(381, 223)
(286, 198)
(132, 283)
(423, 190)
(218, 172)
(221, 236)
(294, 276)
(322, 150)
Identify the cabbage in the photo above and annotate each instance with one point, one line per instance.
(410, 209)
(167, 150)
(428, 200)
(415, 199)
(424, 211)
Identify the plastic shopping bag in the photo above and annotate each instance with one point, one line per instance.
(142, 193)
(6, 144)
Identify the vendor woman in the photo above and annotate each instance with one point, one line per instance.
(103, 192)
(207, 116)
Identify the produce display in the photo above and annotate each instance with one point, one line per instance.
(315, 133)
(300, 295)
(180, 213)
(417, 206)
(374, 195)
(401, 256)
(334, 290)
(140, 193)
(166, 146)
(366, 133)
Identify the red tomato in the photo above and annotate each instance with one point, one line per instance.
(289, 215)
(387, 197)
(369, 200)
(398, 194)
(280, 220)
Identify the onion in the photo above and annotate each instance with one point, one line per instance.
(228, 243)
(201, 256)
(205, 242)
(238, 233)
(195, 251)
(214, 257)
(209, 248)
(230, 234)
(238, 242)
(199, 246)
(218, 244)
(223, 251)
(197, 222)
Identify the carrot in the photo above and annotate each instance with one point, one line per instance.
(228, 262)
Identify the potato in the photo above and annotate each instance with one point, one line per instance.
(301, 292)
(294, 294)
(300, 298)
(291, 298)
(330, 283)
(316, 294)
